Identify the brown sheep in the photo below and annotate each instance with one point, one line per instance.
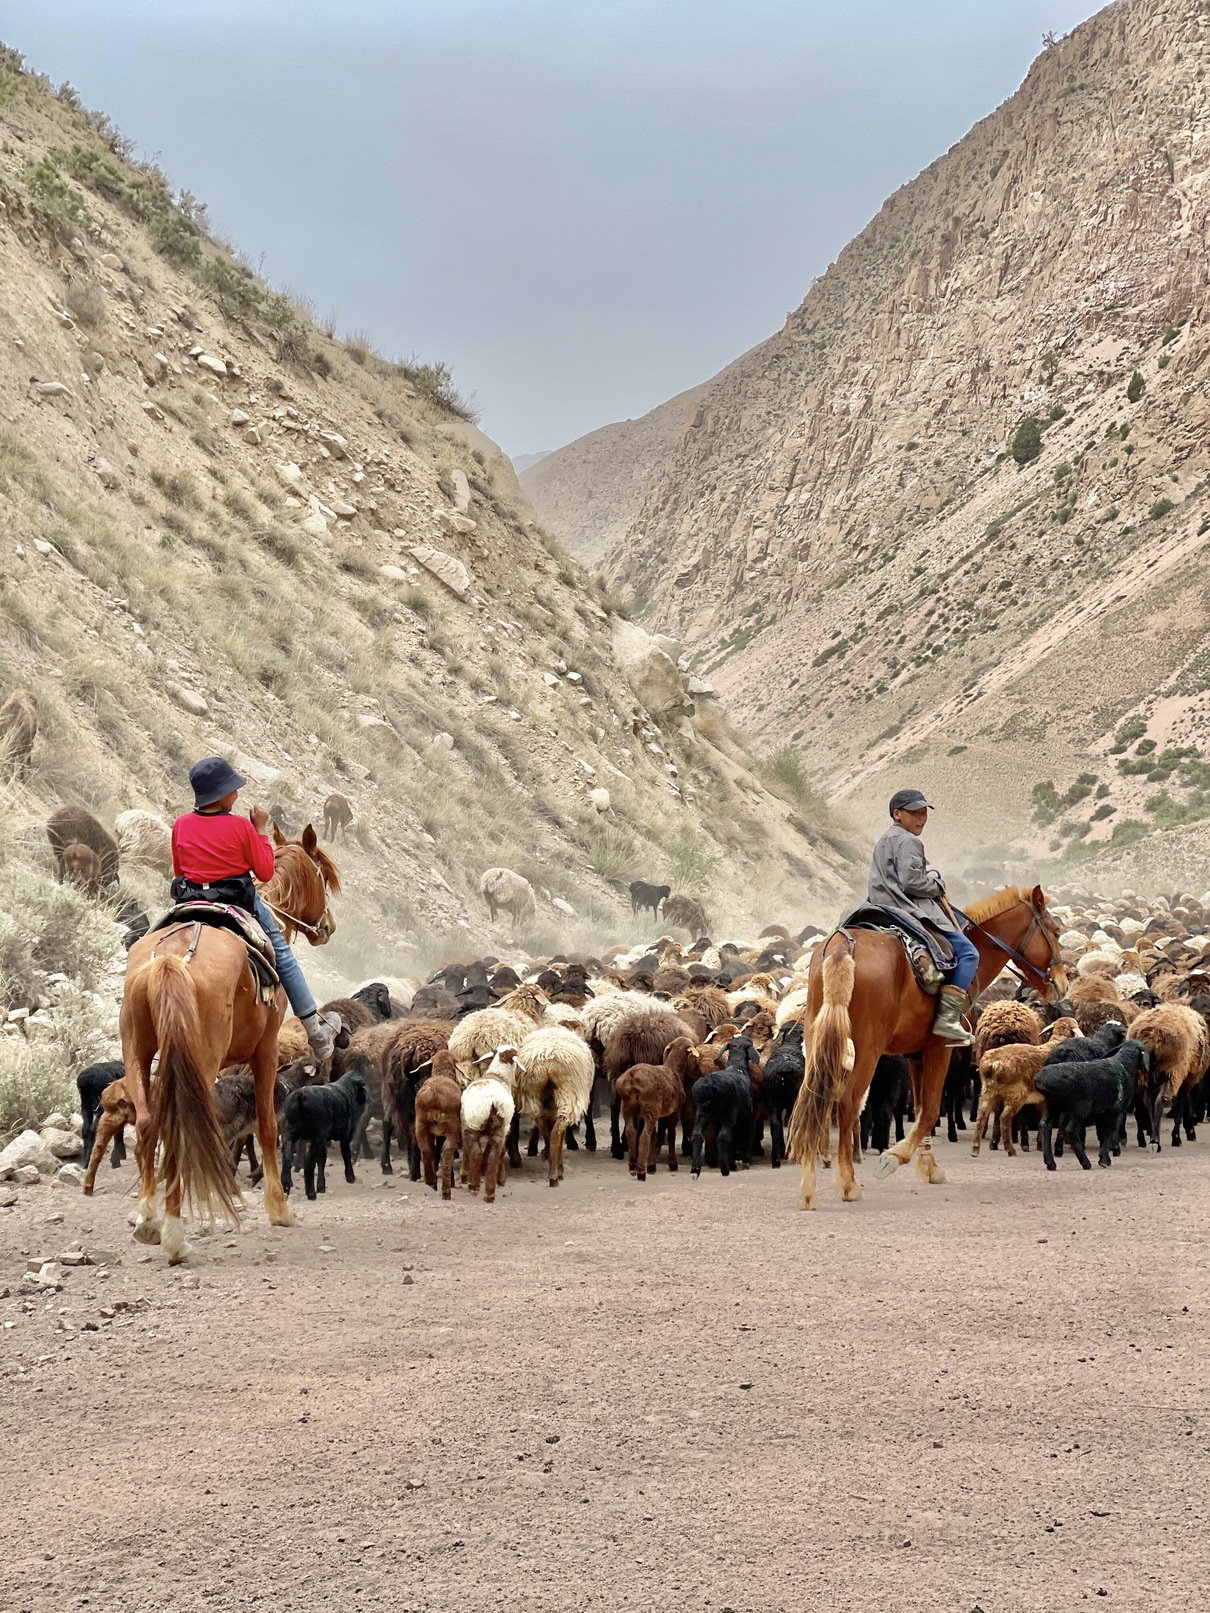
(338, 815)
(707, 1000)
(1003, 1024)
(438, 1113)
(642, 1037)
(1007, 1074)
(1177, 1040)
(68, 824)
(686, 913)
(81, 868)
(1093, 989)
(647, 1094)
(18, 731)
(1091, 1016)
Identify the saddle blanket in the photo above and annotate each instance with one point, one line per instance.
(218, 916)
(929, 953)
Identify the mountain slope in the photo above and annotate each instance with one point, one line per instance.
(862, 564)
(222, 530)
(591, 491)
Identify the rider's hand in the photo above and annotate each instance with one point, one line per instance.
(260, 819)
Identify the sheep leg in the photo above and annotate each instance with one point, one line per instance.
(1107, 1131)
(288, 1144)
(699, 1143)
(590, 1132)
(424, 1141)
(1075, 1132)
(981, 1120)
(555, 1148)
(1156, 1119)
(532, 1150)
(447, 1164)
(671, 1140)
(777, 1139)
(639, 1143)
(346, 1153)
(263, 1064)
(473, 1151)
(492, 1154)
(108, 1125)
(616, 1146)
(632, 1142)
(385, 1160)
(314, 1154)
(1008, 1113)
(362, 1135)
(573, 1141)
(119, 1148)
(1048, 1155)
(514, 1132)
(254, 1164)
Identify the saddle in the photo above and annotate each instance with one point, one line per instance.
(222, 916)
(929, 953)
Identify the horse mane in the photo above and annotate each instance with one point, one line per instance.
(997, 902)
(289, 889)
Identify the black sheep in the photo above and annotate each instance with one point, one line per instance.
(91, 1083)
(643, 896)
(1083, 1049)
(783, 1077)
(889, 1098)
(320, 1115)
(1096, 1090)
(724, 1101)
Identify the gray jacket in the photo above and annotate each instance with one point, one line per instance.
(900, 877)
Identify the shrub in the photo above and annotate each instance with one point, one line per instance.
(60, 202)
(1048, 803)
(1026, 442)
(1160, 509)
(1134, 391)
(691, 860)
(85, 302)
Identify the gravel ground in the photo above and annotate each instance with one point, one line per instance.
(985, 1395)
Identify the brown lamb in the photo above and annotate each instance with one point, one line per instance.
(1002, 1024)
(647, 1094)
(82, 868)
(68, 824)
(439, 1114)
(1007, 1074)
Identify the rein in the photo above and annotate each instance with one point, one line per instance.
(1035, 923)
(289, 918)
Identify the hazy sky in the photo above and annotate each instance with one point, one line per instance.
(583, 206)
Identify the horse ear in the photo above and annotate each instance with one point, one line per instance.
(1037, 898)
(309, 840)
(279, 839)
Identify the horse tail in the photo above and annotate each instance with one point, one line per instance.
(183, 1118)
(829, 1062)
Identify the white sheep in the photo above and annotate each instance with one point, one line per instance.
(502, 889)
(553, 1085)
(479, 1035)
(144, 838)
(487, 1114)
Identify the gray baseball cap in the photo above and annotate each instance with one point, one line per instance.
(908, 801)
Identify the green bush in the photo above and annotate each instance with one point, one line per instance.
(1134, 391)
(1160, 509)
(1026, 443)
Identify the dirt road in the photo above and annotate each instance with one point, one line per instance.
(684, 1395)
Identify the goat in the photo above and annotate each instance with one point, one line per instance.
(647, 1094)
(320, 1115)
(338, 815)
(68, 824)
(724, 1101)
(487, 1117)
(90, 1084)
(439, 1114)
(1097, 1090)
(643, 896)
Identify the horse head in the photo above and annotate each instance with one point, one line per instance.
(303, 880)
(1018, 921)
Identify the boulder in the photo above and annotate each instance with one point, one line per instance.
(393, 573)
(336, 445)
(253, 436)
(442, 742)
(600, 798)
(649, 670)
(62, 1144)
(205, 361)
(27, 1150)
(239, 417)
(670, 646)
(57, 1120)
(290, 473)
(188, 699)
(108, 475)
(564, 907)
(459, 490)
(26, 1175)
(111, 260)
(314, 525)
(70, 1176)
(444, 567)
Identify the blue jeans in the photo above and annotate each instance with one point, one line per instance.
(288, 967)
(966, 959)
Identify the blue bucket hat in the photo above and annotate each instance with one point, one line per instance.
(212, 778)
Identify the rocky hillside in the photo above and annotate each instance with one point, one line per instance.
(591, 492)
(224, 530)
(949, 525)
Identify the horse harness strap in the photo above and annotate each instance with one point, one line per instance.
(289, 918)
(1035, 923)
(194, 939)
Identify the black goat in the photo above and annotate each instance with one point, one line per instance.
(724, 1101)
(783, 1077)
(1096, 1090)
(889, 1098)
(643, 895)
(320, 1115)
(90, 1083)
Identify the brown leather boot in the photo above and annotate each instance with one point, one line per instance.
(952, 1002)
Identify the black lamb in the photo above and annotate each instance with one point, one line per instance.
(90, 1084)
(1100, 1091)
(889, 1098)
(724, 1101)
(783, 1076)
(324, 1114)
(1101, 1044)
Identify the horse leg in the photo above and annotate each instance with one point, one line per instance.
(852, 1100)
(147, 1227)
(264, 1072)
(934, 1062)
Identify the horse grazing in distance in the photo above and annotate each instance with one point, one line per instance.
(192, 1001)
(864, 1001)
(338, 815)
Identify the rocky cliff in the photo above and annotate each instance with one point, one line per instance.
(591, 492)
(949, 525)
(224, 530)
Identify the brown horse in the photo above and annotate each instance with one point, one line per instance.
(192, 999)
(864, 1001)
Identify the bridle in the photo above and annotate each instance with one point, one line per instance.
(317, 934)
(1046, 976)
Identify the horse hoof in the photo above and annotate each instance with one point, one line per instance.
(146, 1231)
(851, 1194)
(808, 1201)
(888, 1164)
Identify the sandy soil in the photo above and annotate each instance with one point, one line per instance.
(982, 1395)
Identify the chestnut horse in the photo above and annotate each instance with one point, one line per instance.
(864, 1001)
(192, 999)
